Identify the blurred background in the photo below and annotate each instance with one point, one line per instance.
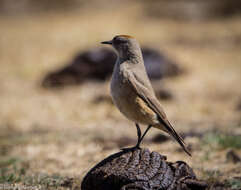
(56, 116)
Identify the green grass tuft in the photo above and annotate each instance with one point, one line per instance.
(234, 183)
(224, 141)
(10, 171)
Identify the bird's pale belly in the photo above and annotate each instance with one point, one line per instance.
(132, 106)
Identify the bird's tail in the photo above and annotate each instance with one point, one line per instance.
(170, 130)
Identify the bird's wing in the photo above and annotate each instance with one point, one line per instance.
(149, 97)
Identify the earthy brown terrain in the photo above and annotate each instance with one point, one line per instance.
(50, 138)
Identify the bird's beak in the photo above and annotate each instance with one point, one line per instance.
(107, 42)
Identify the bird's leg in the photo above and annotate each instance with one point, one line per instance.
(138, 135)
(138, 141)
(142, 137)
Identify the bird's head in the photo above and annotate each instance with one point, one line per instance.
(125, 45)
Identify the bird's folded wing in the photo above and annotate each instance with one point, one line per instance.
(149, 97)
(146, 94)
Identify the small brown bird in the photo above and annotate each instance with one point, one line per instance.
(132, 92)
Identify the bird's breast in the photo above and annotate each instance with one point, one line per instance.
(128, 102)
(120, 89)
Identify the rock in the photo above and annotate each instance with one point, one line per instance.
(97, 64)
(140, 169)
(158, 65)
(94, 64)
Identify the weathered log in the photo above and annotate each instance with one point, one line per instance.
(140, 169)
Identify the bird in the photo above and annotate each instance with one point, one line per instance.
(132, 92)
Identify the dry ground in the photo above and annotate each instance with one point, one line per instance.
(48, 135)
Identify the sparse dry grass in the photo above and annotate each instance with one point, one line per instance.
(63, 132)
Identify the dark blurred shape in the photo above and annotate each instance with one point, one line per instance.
(94, 64)
(158, 65)
(164, 95)
(238, 107)
(67, 182)
(189, 147)
(97, 64)
(194, 133)
(218, 185)
(140, 169)
(192, 9)
(232, 156)
(160, 138)
(161, 92)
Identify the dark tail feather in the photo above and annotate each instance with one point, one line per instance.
(179, 139)
(170, 130)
